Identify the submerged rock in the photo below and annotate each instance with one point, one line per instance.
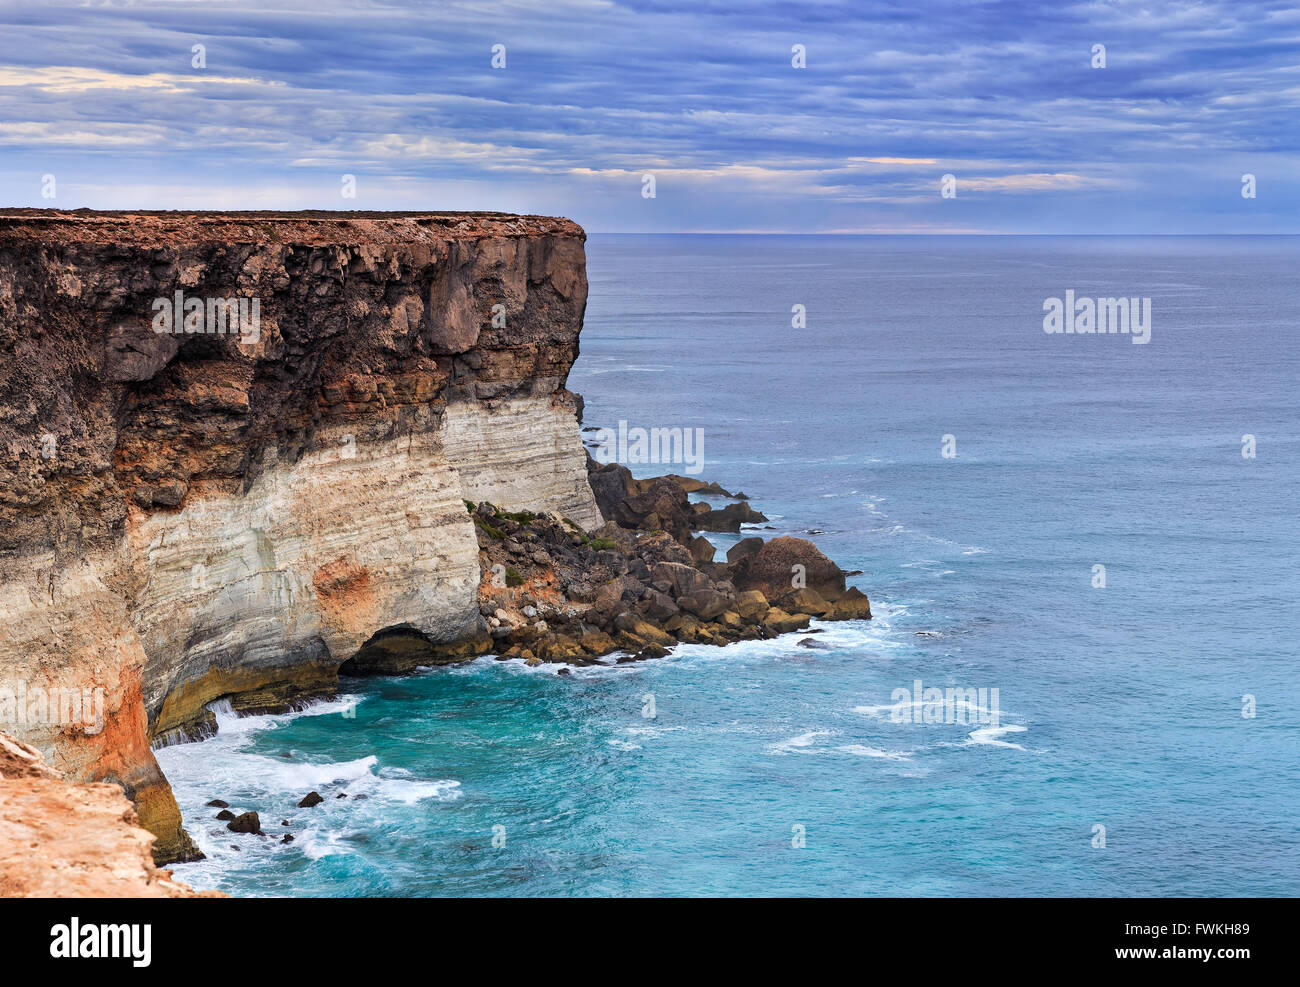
(246, 822)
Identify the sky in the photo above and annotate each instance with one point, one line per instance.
(595, 95)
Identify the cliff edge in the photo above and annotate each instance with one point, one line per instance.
(237, 447)
(72, 841)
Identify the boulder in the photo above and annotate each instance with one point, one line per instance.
(653, 504)
(620, 536)
(853, 605)
(705, 604)
(778, 621)
(657, 607)
(730, 620)
(730, 518)
(684, 625)
(744, 549)
(682, 578)
(691, 485)
(246, 822)
(713, 634)
(635, 631)
(560, 649)
(595, 642)
(701, 549)
(225, 815)
(807, 601)
(772, 570)
(310, 799)
(662, 547)
(751, 605)
(646, 653)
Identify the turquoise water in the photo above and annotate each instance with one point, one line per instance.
(1119, 707)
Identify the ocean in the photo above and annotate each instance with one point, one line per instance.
(922, 427)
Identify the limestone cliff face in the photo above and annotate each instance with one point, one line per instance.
(198, 511)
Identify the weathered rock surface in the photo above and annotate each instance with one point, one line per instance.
(778, 564)
(593, 593)
(59, 840)
(245, 822)
(728, 518)
(201, 516)
(655, 504)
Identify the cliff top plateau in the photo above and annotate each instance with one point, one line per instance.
(145, 227)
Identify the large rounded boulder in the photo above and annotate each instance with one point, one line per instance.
(780, 567)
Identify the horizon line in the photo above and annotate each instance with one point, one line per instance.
(905, 233)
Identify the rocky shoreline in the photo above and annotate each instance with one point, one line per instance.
(636, 586)
(385, 472)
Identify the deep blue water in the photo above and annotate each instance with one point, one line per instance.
(1120, 707)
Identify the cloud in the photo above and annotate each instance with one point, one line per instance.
(703, 95)
(1040, 182)
(64, 79)
(894, 161)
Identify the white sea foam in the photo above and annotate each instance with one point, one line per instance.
(990, 735)
(231, 723)
(652, 731)
(224, 766)
(970, 712)
(879, 711)
(517, 666)
(861, 750)
(903, 529)
(802, 743)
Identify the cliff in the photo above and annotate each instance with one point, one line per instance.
(72, 841)
(234, 448)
